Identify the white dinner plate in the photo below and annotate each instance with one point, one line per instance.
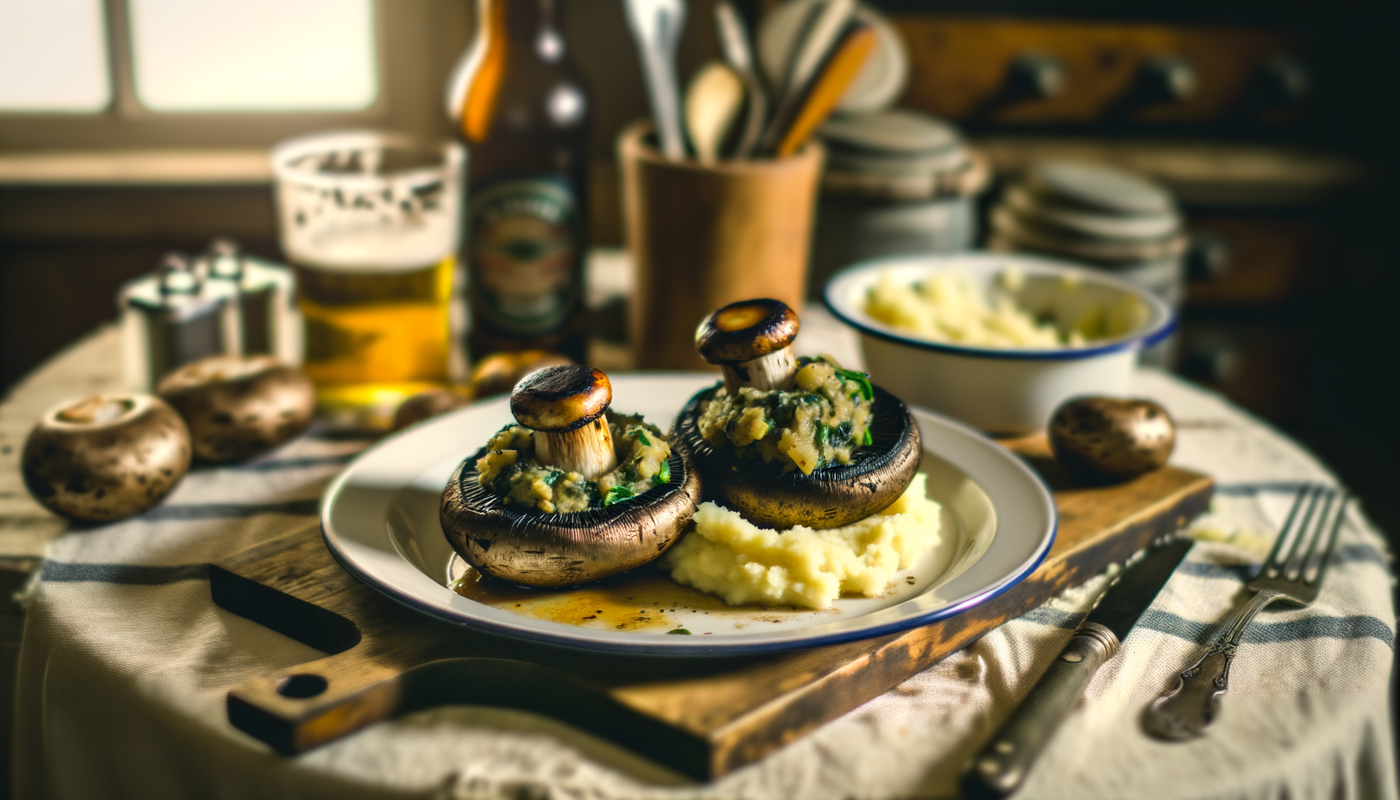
(380, 520)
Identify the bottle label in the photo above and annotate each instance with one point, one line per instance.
(523, 250)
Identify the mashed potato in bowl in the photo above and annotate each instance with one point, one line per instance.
(949, 307)
(914, 347)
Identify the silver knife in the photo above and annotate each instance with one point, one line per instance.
(1002, 765)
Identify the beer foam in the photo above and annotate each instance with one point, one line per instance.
(339, 210)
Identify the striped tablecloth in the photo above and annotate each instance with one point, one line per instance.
(126, 663)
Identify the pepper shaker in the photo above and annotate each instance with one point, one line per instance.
(264, 295)
(174, 317)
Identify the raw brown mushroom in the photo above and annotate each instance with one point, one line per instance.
(238, 407)
(1112, 437)
(566, 408)
(106, 457)
(426, 405)
(495, 374)
(751, 342)
(499, 372)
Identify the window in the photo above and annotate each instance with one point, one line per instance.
(166, 87)
(53, 56)
(188, 55)
(253, 55)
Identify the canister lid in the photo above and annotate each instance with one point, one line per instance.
(225, 266)
(224, 260)
(895, 131)
(1075, 220)
(1028, 234)
(967, 179)
(176, 291)
(898, 154)
(895, 164)
(1096, 187)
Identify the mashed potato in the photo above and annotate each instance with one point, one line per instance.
(731, 557)
(948, 307)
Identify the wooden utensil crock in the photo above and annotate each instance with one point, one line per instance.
(705, 236)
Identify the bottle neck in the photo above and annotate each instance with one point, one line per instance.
(535, 24)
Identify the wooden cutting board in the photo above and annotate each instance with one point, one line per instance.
(702, 716)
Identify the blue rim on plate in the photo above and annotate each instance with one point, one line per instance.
(838, 289)
(378, 518)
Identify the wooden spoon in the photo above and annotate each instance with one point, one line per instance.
(712, 103)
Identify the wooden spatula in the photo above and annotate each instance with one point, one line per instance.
(827, 86)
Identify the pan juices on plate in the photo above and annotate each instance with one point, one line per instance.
(813, 471)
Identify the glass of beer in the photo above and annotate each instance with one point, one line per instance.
(371, 223)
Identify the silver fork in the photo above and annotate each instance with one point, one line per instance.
(1291, 573)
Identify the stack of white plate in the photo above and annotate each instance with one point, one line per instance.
(1098, 215)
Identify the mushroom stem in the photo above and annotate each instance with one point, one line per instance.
(587, 450)
(765, 373)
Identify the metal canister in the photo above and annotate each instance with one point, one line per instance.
(897, 182)
(264, 295)
(174, 317)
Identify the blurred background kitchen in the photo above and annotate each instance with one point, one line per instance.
(131, 128)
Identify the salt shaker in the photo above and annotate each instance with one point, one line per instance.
(174, 317)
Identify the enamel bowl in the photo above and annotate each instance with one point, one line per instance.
(1001, 390)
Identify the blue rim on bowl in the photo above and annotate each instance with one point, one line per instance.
(839, 289)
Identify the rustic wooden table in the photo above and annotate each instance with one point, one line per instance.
(93, 365)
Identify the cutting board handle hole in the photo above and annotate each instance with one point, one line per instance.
(303, 686)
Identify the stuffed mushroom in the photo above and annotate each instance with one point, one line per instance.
(572, 492)
(792, 441)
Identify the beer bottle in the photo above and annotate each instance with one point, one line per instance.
(524, 110)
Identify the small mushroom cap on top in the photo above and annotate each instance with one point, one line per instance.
(746, 330)
(557, 399)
